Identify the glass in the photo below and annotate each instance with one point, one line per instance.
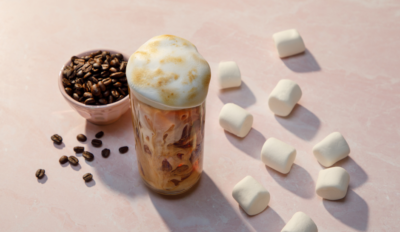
(169, 146)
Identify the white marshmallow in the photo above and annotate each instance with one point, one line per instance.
(251, 195)
(300, 222)
(332, 183)
(278, 155)
(229, 75)
(288, 43)
(235, 119)
(284, 97)
(331, 149)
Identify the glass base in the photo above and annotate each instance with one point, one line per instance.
(170, 193)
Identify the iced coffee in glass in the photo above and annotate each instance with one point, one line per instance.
(168, 84)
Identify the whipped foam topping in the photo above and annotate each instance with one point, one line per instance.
(167, 72)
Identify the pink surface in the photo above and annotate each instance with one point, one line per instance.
(350, 81)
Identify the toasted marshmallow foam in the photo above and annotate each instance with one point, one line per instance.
(167, 72)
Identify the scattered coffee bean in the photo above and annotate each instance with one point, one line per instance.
(63, 159)
(79, 149)
(87, 177)
(40, 173)
(88, 155)
(73, 160)
(96, 143)
(87, 79)
(56, 139)
(105, 153)
(81, 138)
(123, 150)
(99, 134)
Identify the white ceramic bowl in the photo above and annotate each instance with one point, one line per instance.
(97, 114)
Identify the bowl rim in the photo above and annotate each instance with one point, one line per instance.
(73, 101)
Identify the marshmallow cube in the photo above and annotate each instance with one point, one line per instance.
(278, 155)
(284, 97)
(235, 119)
(229, 75)
(251, 195)
(288, 43)
(331, 149)
(300, 222)
(332, 183)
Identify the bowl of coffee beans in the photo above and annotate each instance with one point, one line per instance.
(95, 85)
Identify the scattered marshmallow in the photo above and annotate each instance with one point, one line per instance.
(278, 155)
(251, 195)
(284, 97)
(300, 222)
(331, 149)
(288, 43)
(332, 183)
(229, 75)
(235, 119)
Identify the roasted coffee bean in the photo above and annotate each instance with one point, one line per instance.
(40, 173)
(123, 150)
(95, 90)
(56, 139)
(81, 138)
(114, 93)
(97, 53)
(96, 143)
(117, 84)
(110, 99)
(89, 101)
(105, 66)
(107, 81)
(73, 160)
(68, 91)
(86, 58)
(87, 177)
(121, 91)
(63, 159)
(124, 89)
(81, 99)
(96, 65)
(66, 82)
(102, 101)
(113, 63)
(119, 56)
(75, 96)
(88, 95)
(80, 81)
(78, 86)
(94, 79)
(106, 93)
(117, 75)
(80, 73)
(120, 98)
(113, 81)
(105, 153)
(79, 92)
(99, 134)
(123, 79)
(102, 86)
(88, 155)
(112, 69)
(105, 74)
(122, 67)
(79, 149)
(88, 74)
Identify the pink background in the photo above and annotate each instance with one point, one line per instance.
(350, 81)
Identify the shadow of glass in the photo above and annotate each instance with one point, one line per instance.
(357, 175)
(204, 208)
(251, 144)
(352, 211)
(301, 122)
(241, 96)
(303, 62)
(43, 180)
(297, 181)
(269, 221)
